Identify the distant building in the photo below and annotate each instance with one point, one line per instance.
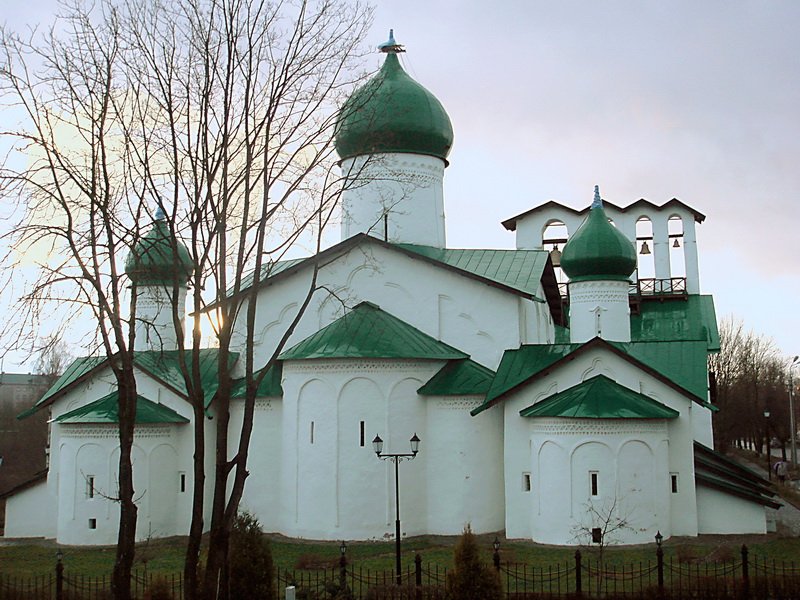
(22, 442)
(556, 387)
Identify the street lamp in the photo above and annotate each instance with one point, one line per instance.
(767, 448)
(792, 424)
(377, 445)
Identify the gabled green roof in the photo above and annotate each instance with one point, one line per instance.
(161, 365)
(269, 387)
(368, 332)
(715, 470)
(459, 378)
(106, 410)
(680, 364)
(518, 269)
(165, 366)
(77, 370)
(689, 319)
(600, 398)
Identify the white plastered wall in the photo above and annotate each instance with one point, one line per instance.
(718, 512)
(80, 451)
(29, 513)
(443, 304)
(529, 231)
(548, 449)
(407, 188)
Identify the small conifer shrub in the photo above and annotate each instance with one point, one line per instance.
(472, 578)
(251, 569)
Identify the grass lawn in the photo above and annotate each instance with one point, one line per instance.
(166, 556)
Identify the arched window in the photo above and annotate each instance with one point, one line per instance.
(646, 268)
(554, 236)
(677, 258)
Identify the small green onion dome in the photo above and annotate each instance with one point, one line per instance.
(393, 113)
(159, 258)
(598, 250)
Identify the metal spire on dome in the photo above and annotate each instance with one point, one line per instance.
(160, 214)
(598, 201)
(390, 46)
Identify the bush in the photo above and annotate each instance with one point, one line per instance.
(472, 578)
(251, 568)
(158, 589)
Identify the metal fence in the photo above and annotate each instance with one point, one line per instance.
(742, 578)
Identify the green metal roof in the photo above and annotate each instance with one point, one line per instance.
(518, 269)
(165, 366)
(269, 387)
(600, 398)
(717, 464)
(689, 319)
(598, 250)
(393, 113)
(368, 332)
(459, 378)
(682, 364)
(161, 365)
(158, 257)
(78, 368)
(106, 410)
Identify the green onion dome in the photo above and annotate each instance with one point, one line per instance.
(598, 250)
(393, 113)
(159, 258)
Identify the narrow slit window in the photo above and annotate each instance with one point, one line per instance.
(311, 433)
(673, 482)
(182, 483)
(594, 483)
(90, 486)
(526, 482)
(361, 427)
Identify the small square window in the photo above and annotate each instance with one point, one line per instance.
(597, 535)
(526, 482)
(92, 523)
(673, 480)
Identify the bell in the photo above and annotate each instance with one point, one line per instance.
(645, 248)
(555, 256)
(676, 243)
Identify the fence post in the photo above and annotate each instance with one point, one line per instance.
(342, 567)
(578, 574)
(660, 569)
(418, 569)
(59, 576)
(745, 573)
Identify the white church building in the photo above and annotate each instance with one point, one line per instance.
(553, 386)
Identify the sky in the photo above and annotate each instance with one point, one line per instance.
(698, 101)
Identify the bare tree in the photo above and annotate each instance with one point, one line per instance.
(749, 375)
(220, 113)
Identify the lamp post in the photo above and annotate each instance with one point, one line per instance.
(377, 445)
(792, 424)
(767, 449)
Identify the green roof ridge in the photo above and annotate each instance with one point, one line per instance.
(106, 410)
(269, 387)
(366, 331)
(462, 377)
(600, 398)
